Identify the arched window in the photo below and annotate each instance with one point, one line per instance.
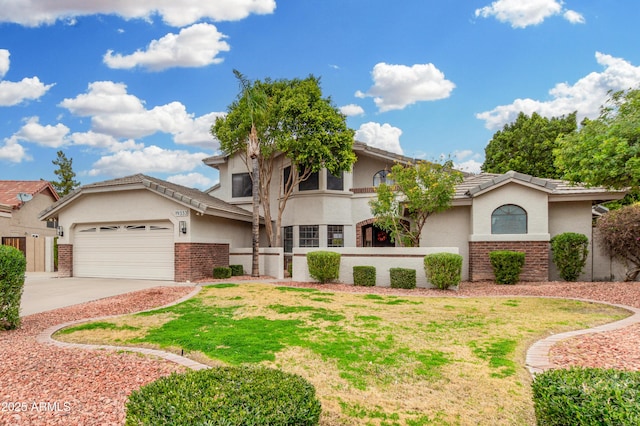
(382, 177)
(509, 219)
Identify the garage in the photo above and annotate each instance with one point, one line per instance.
(124, 250)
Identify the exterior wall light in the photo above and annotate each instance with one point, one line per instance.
(60, 231)
(183, 227)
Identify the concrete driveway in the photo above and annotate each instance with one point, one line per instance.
(45, 291)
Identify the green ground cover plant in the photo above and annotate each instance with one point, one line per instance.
(373, 359)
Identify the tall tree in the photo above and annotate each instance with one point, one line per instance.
(66, 176)
(527, 144)
(605, 151)
(419, 190)
(298, 128)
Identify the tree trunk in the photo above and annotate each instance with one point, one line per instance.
(253, 150)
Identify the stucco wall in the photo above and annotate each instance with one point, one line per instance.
(571, 217)
(451, 229)
(382, 258)
(122, 206)
(533, 201)
(365, 168)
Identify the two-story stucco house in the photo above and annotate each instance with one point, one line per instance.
(142, 227)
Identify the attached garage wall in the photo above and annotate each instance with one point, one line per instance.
(124, 250)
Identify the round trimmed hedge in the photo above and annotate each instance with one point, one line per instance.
(229, 396)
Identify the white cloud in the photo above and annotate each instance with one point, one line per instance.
(352, 110)
(13, 152)
(380, 136)
(13, 93)
(49, 136)
(197, 132)
(117, 113)
(192, 180)
(151, 159)
(467, 161)
(586, 96)
(397, 86)
(4, 62)
(195, 46)
(573, 17)
(104, 142)
(523, 13)
(175, 13)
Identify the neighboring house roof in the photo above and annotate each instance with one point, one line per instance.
(10, 189)
(189, 197)
(475, 185)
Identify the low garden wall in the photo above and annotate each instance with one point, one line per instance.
(382, 259)
(271, 260)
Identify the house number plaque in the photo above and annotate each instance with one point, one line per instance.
(181, 213)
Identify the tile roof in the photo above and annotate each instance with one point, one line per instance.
(9, 190)
(476, 184)
(192, 197)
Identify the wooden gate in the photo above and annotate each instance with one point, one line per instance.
(18, 242)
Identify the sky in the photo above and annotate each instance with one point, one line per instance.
(126, 87)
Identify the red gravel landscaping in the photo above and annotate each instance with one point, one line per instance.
(42, 384)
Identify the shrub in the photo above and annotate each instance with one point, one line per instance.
(570, 252)
(443, 269)
(324, 266)
(587, 396)
(12, 268)
(364, 276)
(221, 272)
(507, 265)
(402, 278)
(618, 233)
(225, 396)
(236, 270)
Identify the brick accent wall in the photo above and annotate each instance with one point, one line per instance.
(194, 261)
(65, 260)
(536, 263)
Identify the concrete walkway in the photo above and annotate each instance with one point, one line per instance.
(44, 291)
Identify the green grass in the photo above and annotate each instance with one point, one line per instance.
(374, 360)
(100, 325)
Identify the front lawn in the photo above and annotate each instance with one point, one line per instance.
(374, 360)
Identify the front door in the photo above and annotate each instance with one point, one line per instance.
(372, 236)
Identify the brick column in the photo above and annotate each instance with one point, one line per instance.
(536, 262)
(194, 261)
(65, 260)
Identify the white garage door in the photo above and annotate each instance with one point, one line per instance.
(139, 251)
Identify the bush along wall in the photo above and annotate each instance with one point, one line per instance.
(236, 270)
(324, 266)
(364, 276)
(13, 266)
(570, 252)
(221, 272)
(402, 278)
(507, 265)
(443, 270)
(230, 396)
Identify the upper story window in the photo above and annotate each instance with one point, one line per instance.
(509, 219)
(382, 177)
(241, 185)
(311, 183)
(335, 183)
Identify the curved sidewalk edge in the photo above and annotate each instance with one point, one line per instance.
(45, 338)
(537, 360)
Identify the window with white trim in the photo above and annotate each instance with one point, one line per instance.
(335, 235)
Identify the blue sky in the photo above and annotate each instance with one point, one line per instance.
(126, 87)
